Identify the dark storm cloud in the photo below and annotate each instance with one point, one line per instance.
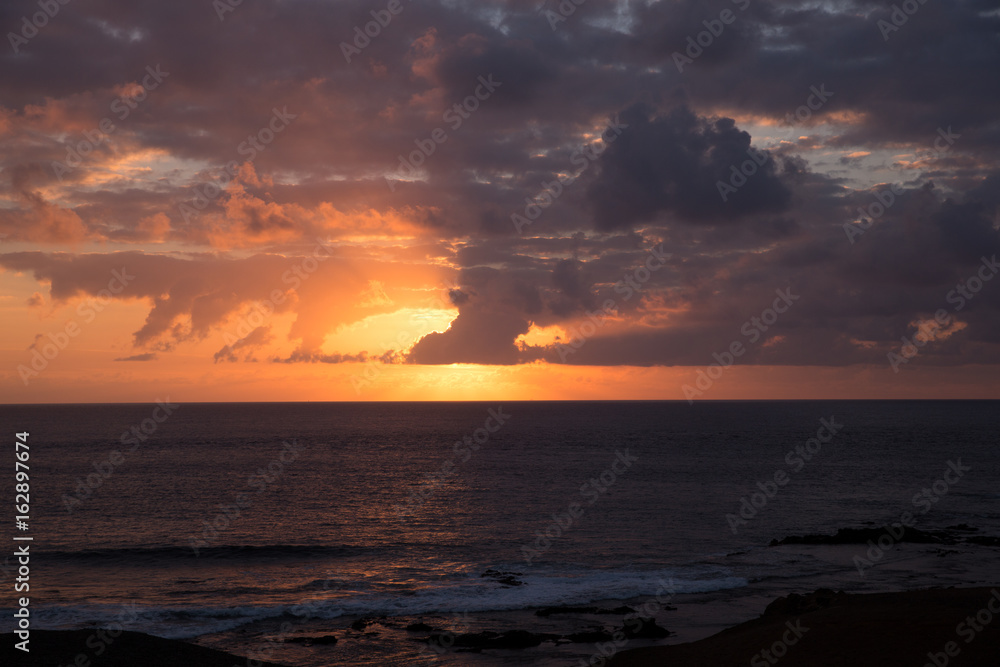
(673, 164)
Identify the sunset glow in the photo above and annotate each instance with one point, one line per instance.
(457, 211)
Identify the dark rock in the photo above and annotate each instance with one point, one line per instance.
(419, 627)
(362, 623)
(795, 604)
(590, 636)
(310, 641)
(984, 540)
(503, 577)
(626, 610)
(509, 581)
(648, 629)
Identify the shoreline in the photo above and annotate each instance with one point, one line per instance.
(96, 648)
(821, 628)
(955, 626)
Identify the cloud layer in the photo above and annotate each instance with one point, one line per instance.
(518, 169)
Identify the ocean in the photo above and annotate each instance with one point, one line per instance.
(243, 526)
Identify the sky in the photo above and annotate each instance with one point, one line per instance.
(373, 200)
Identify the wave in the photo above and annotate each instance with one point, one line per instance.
(267, 551)
(459, 595)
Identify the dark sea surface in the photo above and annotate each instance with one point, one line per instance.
(230, 520)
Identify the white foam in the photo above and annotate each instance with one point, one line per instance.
(459, 595)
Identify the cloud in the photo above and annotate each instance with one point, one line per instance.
(672, 164)
(189, 297)
(37, 219)
(324, 176)
(256, 339)
(300, 356)
(146, 356)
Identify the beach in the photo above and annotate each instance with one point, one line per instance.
(937, 627)
(82, 648)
